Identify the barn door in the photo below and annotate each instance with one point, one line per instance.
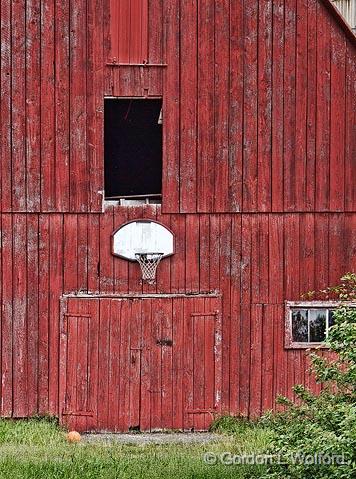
(78, 364)
(141, 363)
(181, 363)
(203, 362)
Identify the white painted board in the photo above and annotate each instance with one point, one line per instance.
(142, 237)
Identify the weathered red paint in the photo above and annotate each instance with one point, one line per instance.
(258, 188)
(146, 363)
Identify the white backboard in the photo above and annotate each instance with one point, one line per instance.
(142, 236)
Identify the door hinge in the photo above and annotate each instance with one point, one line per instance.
(164, 342)
(77, 413)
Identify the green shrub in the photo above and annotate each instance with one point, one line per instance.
(323, 424)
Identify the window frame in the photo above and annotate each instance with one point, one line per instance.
(309, 305)
(137, 199)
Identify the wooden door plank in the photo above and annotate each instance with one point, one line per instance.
(178, 313)
(114, 364)
(156, 366)
(70, 400)
(198, 366)
(82, 365)
(135, 364)
(188, 420)
(103, 364)
(167, 363)
(93, 358)
(124, 399)
(211, 365)
(146, 321)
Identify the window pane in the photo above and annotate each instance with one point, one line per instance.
(300, 325)
(317, 324)
(331, 318)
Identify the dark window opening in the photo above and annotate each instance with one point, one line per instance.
(133, 148)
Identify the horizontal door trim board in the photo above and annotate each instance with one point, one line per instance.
(210, 294)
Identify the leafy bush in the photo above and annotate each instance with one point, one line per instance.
(323, 424)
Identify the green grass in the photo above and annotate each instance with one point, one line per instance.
(36, 448)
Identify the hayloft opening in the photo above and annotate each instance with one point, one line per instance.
(133, 149)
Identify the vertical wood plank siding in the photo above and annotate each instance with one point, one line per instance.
(246, 126)
(276, 123)
(258, 179)
(256, 261)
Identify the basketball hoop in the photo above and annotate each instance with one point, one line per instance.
(148, 263)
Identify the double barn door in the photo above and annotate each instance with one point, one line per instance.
(144, 364)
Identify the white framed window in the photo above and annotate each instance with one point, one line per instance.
(307, 324)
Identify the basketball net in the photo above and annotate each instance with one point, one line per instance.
(148, 263)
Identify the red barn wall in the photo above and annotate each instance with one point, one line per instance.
(258, 177)
(256, 261)
(258, 100)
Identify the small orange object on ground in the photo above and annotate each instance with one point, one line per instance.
(73, 436)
